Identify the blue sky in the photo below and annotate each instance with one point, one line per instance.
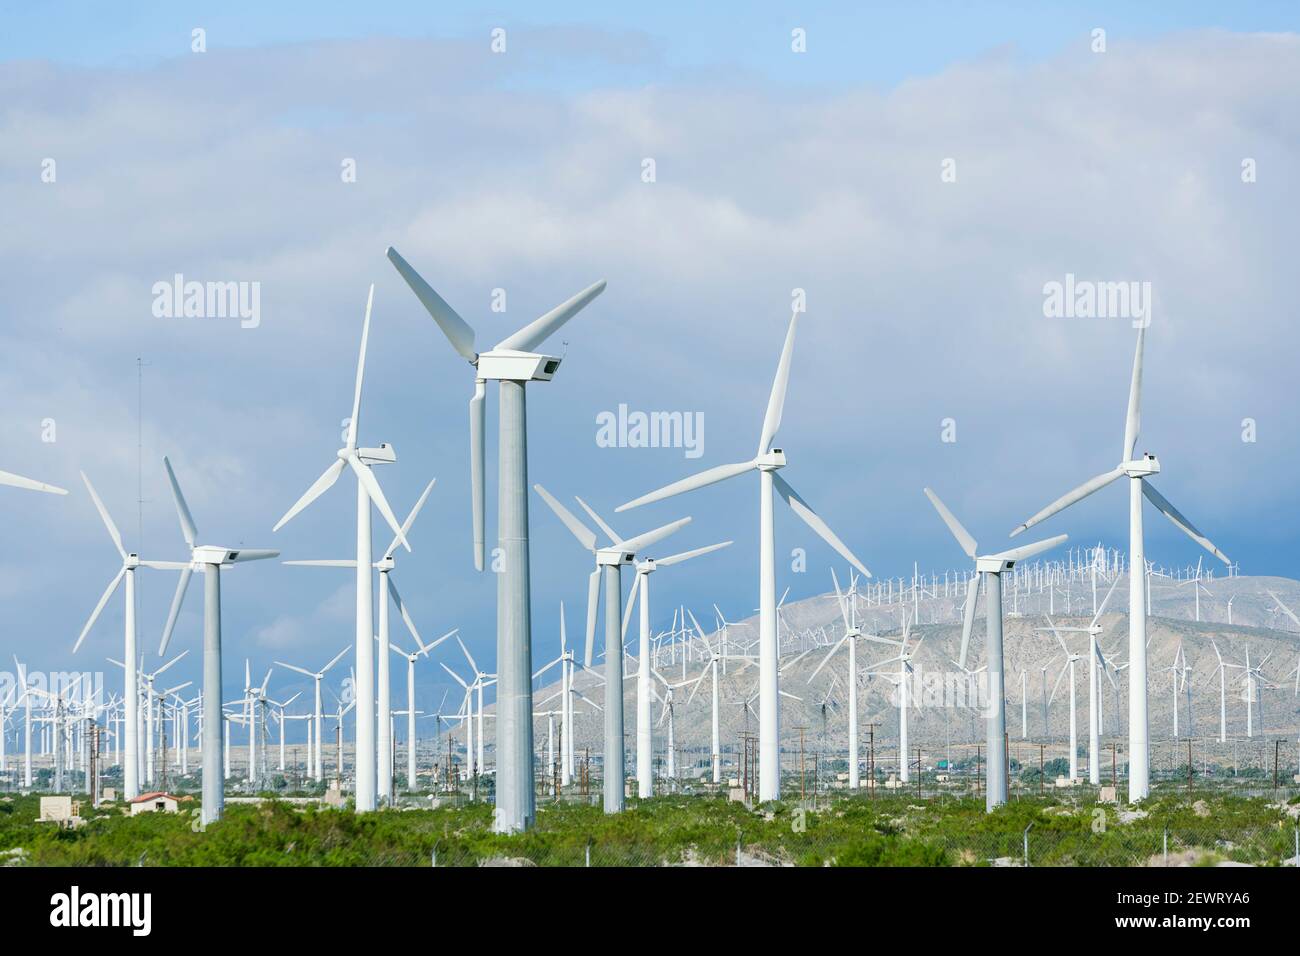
(775, 171)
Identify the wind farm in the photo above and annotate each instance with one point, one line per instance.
(730, 525)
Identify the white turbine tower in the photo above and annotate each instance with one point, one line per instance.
(314, 760)
(360, 460)
(609, 561)
(1222, 670)
(131, 561)
(988, 572)
(766, 462)
(387, 593)
(852, 634)
(209, 559)
(902, 679)
(644, 732)
(512, 363)
(1096, 663)
(1138, 470)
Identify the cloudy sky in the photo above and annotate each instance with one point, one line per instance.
(921, 175)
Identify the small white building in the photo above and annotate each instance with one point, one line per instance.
(156, 802)
(59, 810)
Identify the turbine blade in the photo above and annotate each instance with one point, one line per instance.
(174, 613)
(376, 494)
(476, 466)
(712, 475)
(968, 619)
(457, 330)
(958, 531)
(776, 400)
(1133, 420)
(1059, 677)
(593, 598)
(361, 373)
(401, 609)
(410, 518)
(631, 603)
(253, 554)
(337, 657)
(1029, 550)
(810, 517)
(1180, 522)
(18, 481)
(829, 655)
(1287, 610)
(586, 537)
(300, 670)
(539, 330)
(687, 555)
(182, 509)
(600, 522)
(318, 488)
(1070, 497)
(640, 541)
(1101, 608)
(844, 608)
(103, 599)
(103, 513)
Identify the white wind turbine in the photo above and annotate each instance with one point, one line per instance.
(766, 462)
(852, 634)
(314, 760)
(1071, 659)
(988, 572)
(1095, 662)
(130, 561)
(1222, 671)
(209, 559)
(360, 460)
(609, 561)
(411, 658)
(1139, 471)
(387, 592)
(711, 661)
(512, 363)
(901, 680)
(644, 735)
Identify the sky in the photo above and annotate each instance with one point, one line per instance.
(920, 171)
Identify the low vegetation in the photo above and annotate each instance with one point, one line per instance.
(671, 830)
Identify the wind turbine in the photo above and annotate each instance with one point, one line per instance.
(1222, 670)
(513, 364)
(131, 561)
(209, 559)
(411, 658)
(902, 678)
(644, 732)
(1095, 662)
(609, 561)
(988, 570)
(1138, 471)
(850, 639)
(711, 668)
(387, 591)
(317, 764)
(360, 460)
(766, 462)
(1071, 659)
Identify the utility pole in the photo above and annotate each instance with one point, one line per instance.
(1041, 772)
(803, 775)
(871, 760)
(1189, 766)
(978, 771)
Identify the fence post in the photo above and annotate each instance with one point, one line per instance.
(588, 851)
(433, 859)
(738, 834)
(1165, 843)
(1025, 838)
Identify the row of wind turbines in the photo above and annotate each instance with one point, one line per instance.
(514, 363)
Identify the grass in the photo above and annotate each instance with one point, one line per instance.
(849, 831)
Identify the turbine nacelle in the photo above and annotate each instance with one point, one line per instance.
(510, 365)
(1143, 467)
(383, 455)
(770, 461)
